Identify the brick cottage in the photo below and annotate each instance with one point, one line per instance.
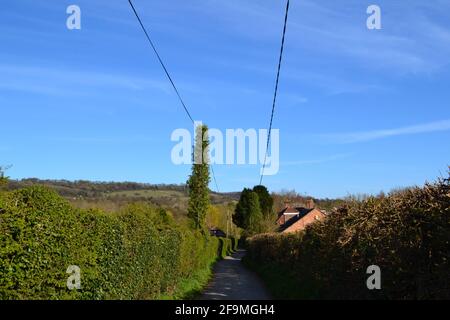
(292, 219)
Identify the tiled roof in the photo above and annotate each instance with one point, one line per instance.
(288, 210)
(301, 213)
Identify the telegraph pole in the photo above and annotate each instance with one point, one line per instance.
(228, 220)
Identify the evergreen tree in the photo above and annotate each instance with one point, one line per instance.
(265, 201)
(255, 217)
(199, 179)
(241, 210)
(248, 214)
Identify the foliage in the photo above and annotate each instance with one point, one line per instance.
(255, 216)
(265, 201)
(219, 216)
(248, 215)
(225, 247)
(199, 180)
(94, 189)
(295, 199)
(407, 234)
(241, 210)
(137, 253)
(276, 279)
(213, 217)
(114, 196)
(234, 244)
(3, 179)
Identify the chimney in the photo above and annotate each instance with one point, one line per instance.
(310, 204)
(287, 203)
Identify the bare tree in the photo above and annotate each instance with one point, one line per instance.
(3, 178)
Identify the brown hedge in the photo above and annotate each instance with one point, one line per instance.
(407, 234)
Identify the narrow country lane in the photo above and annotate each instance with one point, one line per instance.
(233, 281)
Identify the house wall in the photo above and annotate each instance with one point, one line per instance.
(303, 222)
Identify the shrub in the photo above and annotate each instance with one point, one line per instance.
(407, 234)
(225, 247)
(235, 243)
(138, 253)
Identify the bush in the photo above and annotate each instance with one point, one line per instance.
(138, 253)
(407, 234)
(234, 244)
(226, 247)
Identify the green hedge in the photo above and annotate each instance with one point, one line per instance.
(226, 247)
(138, 253)
(235, 243)
(407, 234)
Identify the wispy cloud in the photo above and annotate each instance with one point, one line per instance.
(65, 81)
(362, 136)
(330, 158)
(410, 42)
(251, 181)
(333, 84)
(102, 140)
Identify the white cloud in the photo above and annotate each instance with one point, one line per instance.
(102, 140)
(64, 81)
(410, 42)
(330, 158)
(362, 136)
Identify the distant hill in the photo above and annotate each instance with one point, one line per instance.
(110, 196)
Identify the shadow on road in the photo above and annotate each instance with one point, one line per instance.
(233, 281)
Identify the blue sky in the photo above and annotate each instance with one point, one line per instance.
(359, 110)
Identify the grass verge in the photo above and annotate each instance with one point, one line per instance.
(193, 286)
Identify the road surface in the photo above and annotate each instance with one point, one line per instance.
(233, 281)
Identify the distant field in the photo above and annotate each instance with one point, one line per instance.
(166, 195)
(148, 194)
(111, 196)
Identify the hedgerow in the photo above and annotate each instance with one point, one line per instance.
(138, 253)
(234, 244)
(226, 247)
(406, 234)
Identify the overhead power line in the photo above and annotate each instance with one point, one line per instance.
(276, 90)
(168, 76)
(161, 62)
(214, 177)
